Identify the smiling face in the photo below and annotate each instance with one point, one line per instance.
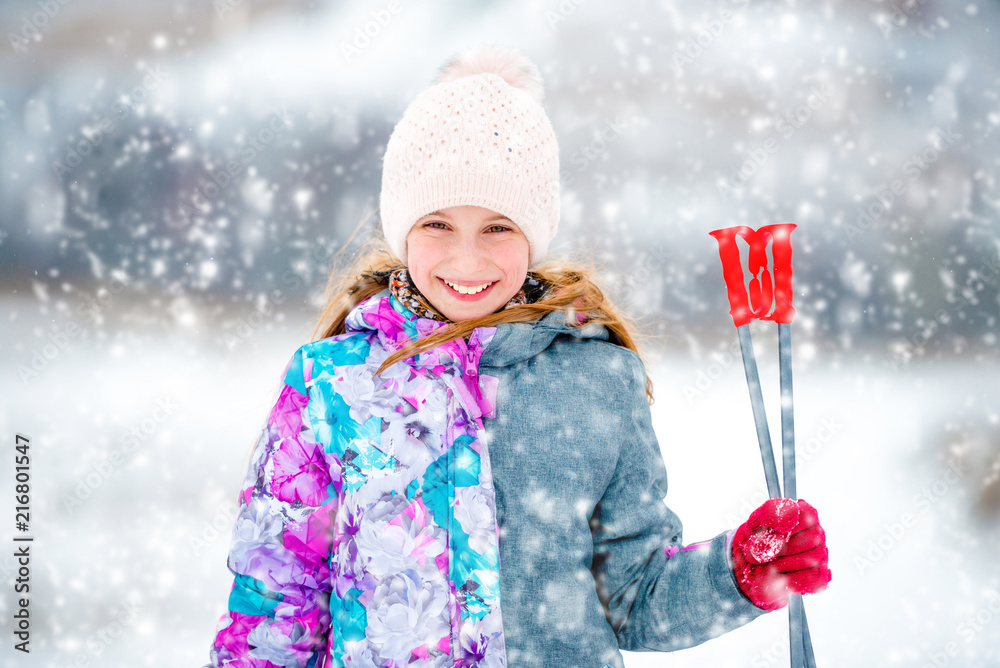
(471, 247)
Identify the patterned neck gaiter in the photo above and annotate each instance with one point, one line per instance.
(406, 292)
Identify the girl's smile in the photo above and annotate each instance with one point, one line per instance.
(470, 292)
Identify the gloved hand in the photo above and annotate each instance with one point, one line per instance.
(780, 550)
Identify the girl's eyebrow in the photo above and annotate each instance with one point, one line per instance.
(444, 215)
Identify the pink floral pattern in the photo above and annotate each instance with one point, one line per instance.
(367, 532)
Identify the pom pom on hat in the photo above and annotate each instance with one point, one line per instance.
(513, 66)
(479, 137)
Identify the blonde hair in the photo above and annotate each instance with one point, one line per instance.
(572, 286)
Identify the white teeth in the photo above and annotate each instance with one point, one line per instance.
(469, 290)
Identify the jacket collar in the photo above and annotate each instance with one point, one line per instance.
(509, 344)
(517, 341)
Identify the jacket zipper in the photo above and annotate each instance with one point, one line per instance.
(470, 371)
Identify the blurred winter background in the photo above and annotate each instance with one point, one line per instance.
(149, 301)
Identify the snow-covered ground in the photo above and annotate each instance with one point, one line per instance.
(137, 550)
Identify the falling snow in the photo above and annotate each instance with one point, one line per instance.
(177, 179)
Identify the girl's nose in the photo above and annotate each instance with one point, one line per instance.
(472, 254)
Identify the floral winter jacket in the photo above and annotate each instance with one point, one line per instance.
(491, 502)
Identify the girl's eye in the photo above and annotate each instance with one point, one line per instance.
(491, 228)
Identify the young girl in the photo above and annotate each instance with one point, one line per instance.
(461, 470)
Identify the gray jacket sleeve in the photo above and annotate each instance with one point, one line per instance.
(654, 601)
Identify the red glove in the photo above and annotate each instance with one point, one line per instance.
(780, 550)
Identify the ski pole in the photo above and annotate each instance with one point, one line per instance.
(754, 302)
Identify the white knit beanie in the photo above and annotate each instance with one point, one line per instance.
(478, 136)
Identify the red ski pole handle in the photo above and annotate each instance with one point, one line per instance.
(766, 288)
